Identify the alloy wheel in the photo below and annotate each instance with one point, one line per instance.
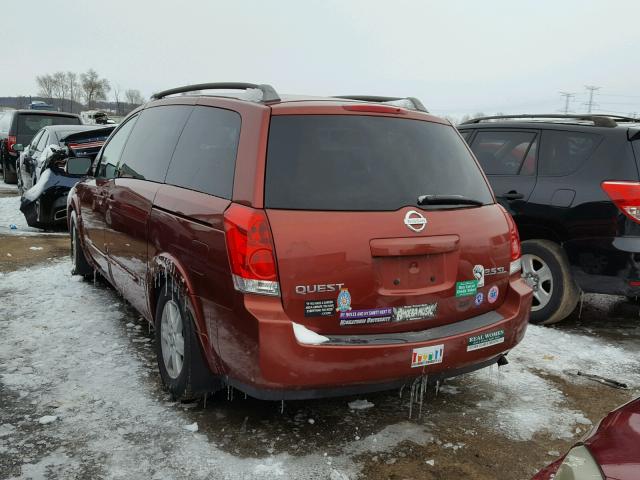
(172, 339)
(537, 274)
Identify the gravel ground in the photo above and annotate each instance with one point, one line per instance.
(80, 397)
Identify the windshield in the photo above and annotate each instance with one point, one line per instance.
(353, 162)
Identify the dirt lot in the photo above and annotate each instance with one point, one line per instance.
(73, 350)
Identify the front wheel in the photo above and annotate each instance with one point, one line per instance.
(545, 268)
(182, 366)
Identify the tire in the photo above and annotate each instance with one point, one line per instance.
(545, 268)
(80, 264)
(186, 376)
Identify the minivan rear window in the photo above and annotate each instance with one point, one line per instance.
(30, 124)
(365, 163)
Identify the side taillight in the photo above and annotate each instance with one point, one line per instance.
(11, 141)
(626, 196)
(514, 242)
(251, 251)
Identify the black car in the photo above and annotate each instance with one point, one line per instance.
(44, 204)
(32, 159)
(19, 127)
(573, 188)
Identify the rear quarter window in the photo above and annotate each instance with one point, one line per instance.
(29, 124)
(205, 156)
(562, 153)
(365, 163)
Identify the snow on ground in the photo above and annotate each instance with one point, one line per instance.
(524, 402)
(6, 189)
(10, 214)
(69, 349)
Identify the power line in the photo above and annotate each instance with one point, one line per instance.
(590, 104)
(567, 98)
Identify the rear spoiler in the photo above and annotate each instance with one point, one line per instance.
(87, 134)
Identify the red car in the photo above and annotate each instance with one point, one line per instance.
(611, 451)
(301, 247)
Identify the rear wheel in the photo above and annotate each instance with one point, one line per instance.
(80, 265)
(180, 360)
(546, 269)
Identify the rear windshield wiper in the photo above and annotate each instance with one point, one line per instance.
(447, 200)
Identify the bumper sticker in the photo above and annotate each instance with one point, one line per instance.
(479, 299)
(414, 312)
(492, 296)
(319, 308)
(485, 340)
(366, 317)
(427, 355)
(344, 300)
(466, 288)
(478, 274)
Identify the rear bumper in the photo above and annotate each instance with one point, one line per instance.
(608, 265)
(284, 369)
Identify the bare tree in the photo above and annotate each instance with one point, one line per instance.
(94, 87)
(45, 86)
(60, 87)
(73, 88)
(116, 98)
(134, 97)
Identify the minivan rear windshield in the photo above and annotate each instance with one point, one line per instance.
(374, 163)
(30, 124)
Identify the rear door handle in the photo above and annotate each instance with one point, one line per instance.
(512, 195)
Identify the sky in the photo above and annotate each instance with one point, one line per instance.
(458, 57)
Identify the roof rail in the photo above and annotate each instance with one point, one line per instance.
(417, 104)
(268, 92)
(598, 120)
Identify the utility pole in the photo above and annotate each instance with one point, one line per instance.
(567, 98)
(590, 103)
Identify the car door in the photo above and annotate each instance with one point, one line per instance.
(27, 160)
(141, 172)
(93, 193)
(509, 159)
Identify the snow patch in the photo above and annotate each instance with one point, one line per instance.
(306, 336)
(360, 404)
(47, 419)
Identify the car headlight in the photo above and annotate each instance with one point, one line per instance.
(579, 465)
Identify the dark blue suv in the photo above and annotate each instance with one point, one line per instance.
(572, 184)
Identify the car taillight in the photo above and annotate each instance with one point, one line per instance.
(11, 141)
(251, 252)
(514, 244)
(626, 196)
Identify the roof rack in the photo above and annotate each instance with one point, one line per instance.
(417, 104)
(598, 120)
(269, 94)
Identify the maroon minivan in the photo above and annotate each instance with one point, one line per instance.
(301, 247)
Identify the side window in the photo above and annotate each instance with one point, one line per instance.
(42, 143)
(562, 153)
(152, 142)
(36, 139)
(466, 134)
(205, 157)
(112, 150)
(505, 152)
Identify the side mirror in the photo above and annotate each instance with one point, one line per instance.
(18, 147)
(77, 166)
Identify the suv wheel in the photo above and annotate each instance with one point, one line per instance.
(182, 366)
(80, 265)
(546, 269)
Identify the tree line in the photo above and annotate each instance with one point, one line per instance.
(69, 88)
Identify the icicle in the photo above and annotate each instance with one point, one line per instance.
(228, 392)
(423, 389)
(437, 387)
(245, 396)
(205, 401)
(95, 275)
(281, 407)
(401, 389)
(581, 301)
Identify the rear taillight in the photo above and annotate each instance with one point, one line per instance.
(11, 141)
(251, 252)
(514, 244)
(626, 196)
